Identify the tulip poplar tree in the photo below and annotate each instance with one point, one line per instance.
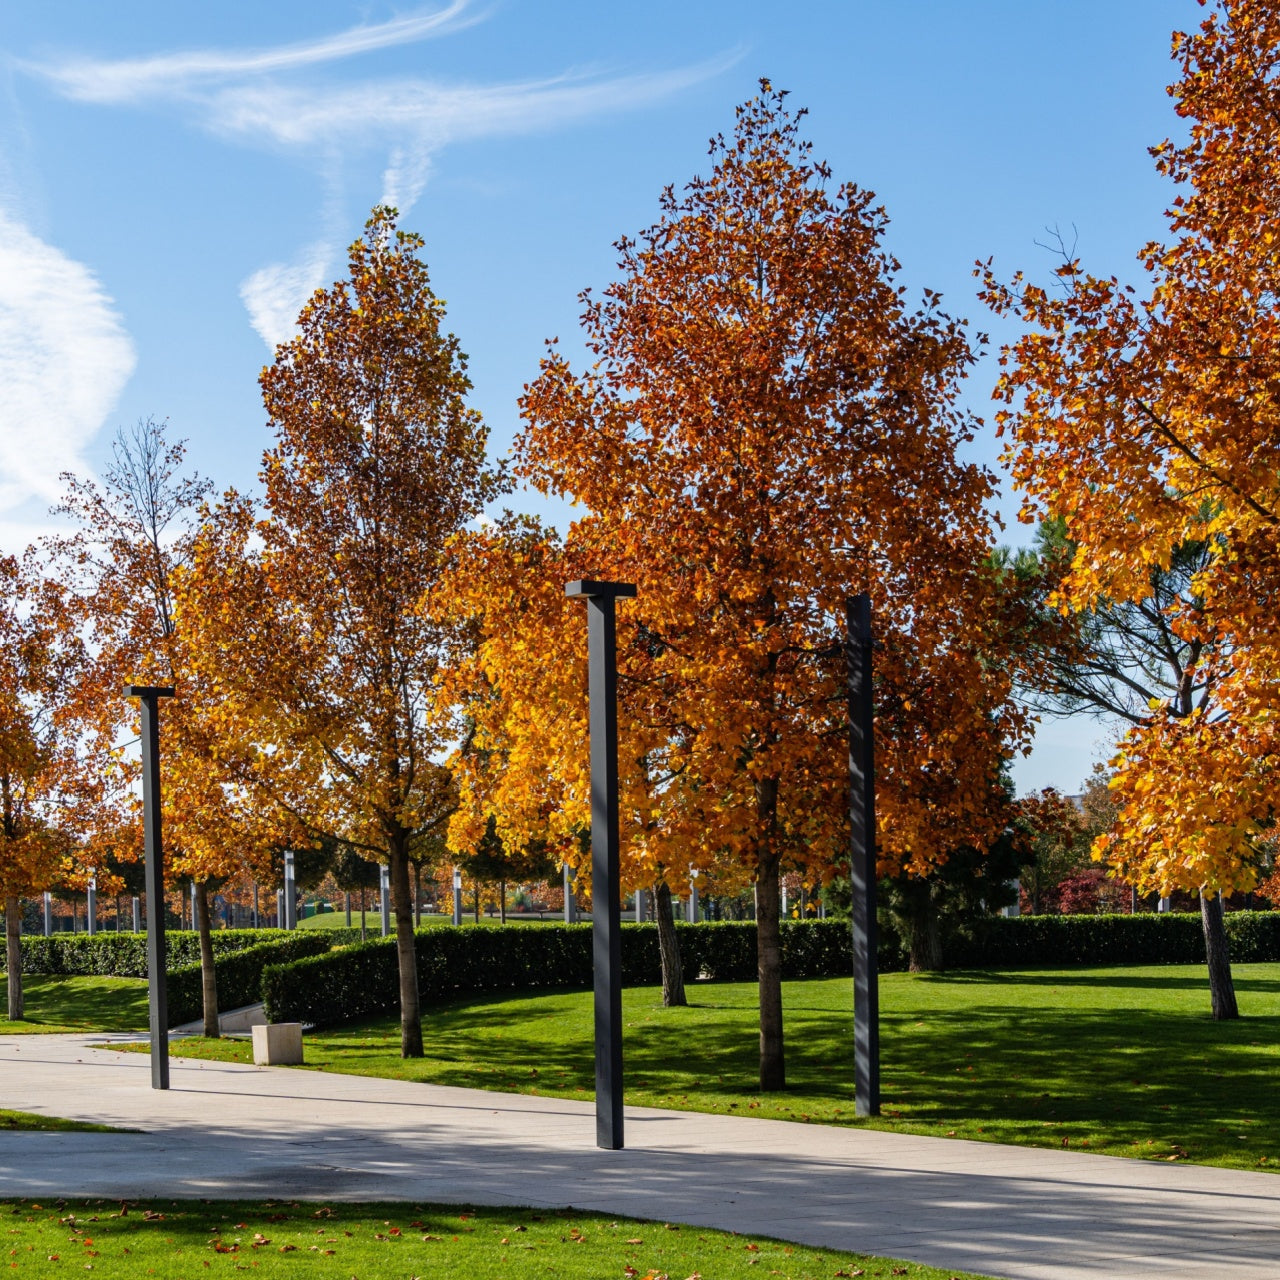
(1147, 422)
(315, 623)
(767, 427)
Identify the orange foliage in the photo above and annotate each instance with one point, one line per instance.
(1147, 421)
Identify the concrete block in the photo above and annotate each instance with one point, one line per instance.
(277, 1044)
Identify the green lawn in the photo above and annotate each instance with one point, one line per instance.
(174, 1240)
(15, 1121)
(80, 1004)
(1121, 1061)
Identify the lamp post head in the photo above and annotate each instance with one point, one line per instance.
(609, 590)
(148, 691)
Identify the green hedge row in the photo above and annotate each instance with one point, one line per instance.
(239, 973)
(361, 981)
(1149, 938)
(124, 955)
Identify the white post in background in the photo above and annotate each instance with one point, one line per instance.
(384, 897)
(1016, 908)
(91, 906)
(570, 906)
(693, 897)
(639, 906)
(194, 923)
(290, 892)
(785, 904)
(137, 914)
(457, 895)
(280, 924)
(1163, 905)
(48, 913)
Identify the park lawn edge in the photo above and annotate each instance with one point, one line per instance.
(32, 1122)
(468, 1235)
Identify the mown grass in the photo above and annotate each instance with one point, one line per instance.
(174, 1240)
(29, 1121)
(1119, 1061)
(79, 1004)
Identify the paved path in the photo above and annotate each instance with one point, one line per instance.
(230, 1130)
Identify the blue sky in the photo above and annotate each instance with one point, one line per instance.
(175, 178)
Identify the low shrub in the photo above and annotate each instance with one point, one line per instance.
(124, 955)
(239, 973)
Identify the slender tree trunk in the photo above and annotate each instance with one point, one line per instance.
(924, 941)
(406, 955)
(502, 889)
(208, 975)
(13, 956)
(773, 1071)
(1221, 989)
(668, 947)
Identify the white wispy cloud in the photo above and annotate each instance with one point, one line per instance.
(175, 74)
(274, 295)
(258, 97)
(64, 359)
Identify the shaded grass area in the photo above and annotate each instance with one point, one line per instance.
(179, 1239)
(28, 1121)
(80, 1004)
(1118, 1061)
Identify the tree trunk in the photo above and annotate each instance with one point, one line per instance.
(924, 941)
(407, 956)
(668, 947)
(13, 956)
(773, 1072)
(1221, 988)
(208, 975)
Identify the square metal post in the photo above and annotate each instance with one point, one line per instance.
(862, 859)
(290, 892)
(256, 924)
(91, 906)
(384, 896)
(137, 915)
(606, 886)
(48, 913)
(157, 953)
(457, 896)
(570, 905)
(639, 906)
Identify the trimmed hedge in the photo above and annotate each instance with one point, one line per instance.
(239, 973)
(124, 955)
(362, 981)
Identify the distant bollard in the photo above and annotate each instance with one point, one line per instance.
(1165, 904)
(137, 915)
(570, 905)
(693, 897)
(280, 924)
(639, 906)
(384, 896)
(290, 892)
(457, 896)
(91, 906)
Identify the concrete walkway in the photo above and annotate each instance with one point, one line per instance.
(241, 1131)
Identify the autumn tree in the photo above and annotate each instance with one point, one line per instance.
(132, 535)
(40, 657)
(1143, 419)
(767, 426)
(314, 622)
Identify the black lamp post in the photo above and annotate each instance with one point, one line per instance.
(158, 999)
(606, 887)
(862, 859)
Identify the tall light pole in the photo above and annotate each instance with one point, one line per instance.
(606, 887)
(862, 859)
(457, 896)
(157, 957)
(290, 891)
